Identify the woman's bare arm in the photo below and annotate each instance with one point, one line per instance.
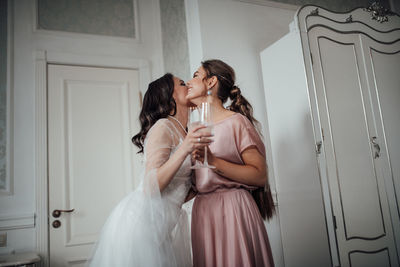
(253, 172)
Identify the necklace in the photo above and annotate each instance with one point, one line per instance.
(180, 124)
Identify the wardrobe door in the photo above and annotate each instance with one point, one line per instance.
(358, 195)
(383, 68)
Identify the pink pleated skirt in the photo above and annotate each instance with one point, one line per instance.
(228, 231)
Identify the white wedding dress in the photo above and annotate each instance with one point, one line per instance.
(148, 228)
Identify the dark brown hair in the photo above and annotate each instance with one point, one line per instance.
(157, 103)
(227, 89)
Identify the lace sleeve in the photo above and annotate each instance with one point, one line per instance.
(158, 145)
(159, 142)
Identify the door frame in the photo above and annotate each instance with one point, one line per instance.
(42, 59)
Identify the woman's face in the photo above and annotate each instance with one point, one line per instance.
(197, 86)
(180, 92)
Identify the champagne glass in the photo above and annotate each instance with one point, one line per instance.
(201, 115)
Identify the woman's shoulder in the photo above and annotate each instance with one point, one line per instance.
(161, 127)
(235, 120)
(228, 116)
(241, 120)
(162, 123)
(242, 123)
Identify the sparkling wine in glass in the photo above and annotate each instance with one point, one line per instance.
(201, 115)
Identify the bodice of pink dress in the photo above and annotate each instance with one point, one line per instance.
(232, 136)
(227, 228)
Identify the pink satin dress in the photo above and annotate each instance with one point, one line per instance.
(227, 228)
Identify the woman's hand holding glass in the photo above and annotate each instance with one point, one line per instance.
(201, 115)
(196, 138)
(199, 155)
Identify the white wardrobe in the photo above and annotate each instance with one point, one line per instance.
(332, 89)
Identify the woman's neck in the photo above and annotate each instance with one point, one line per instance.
(217, 108)
(182, 115)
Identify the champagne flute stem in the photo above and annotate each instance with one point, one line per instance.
(205, 156)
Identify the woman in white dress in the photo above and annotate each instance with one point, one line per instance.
(149, 227)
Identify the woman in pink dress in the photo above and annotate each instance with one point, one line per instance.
(232, 200)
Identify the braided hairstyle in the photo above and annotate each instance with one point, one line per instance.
(158, 103)
(227, 89)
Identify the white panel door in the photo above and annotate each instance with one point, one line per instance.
(360, 201)
(92, 115)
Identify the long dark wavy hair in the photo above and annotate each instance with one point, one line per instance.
(158, 103)
(227, 89)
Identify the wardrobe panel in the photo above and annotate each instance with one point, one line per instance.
(370, 259)
(350, 141)
(386, 68)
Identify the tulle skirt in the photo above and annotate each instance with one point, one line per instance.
(144, 230)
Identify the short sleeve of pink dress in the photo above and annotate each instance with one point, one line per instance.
(246, 135)
(227, 228)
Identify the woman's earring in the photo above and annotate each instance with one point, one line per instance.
(209, 91)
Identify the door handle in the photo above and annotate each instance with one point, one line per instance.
(57, 213)
(318, 147)
(376, 146)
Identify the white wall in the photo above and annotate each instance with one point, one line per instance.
(17, 210)
(302, 216)
(174, 35)
(237, 32)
